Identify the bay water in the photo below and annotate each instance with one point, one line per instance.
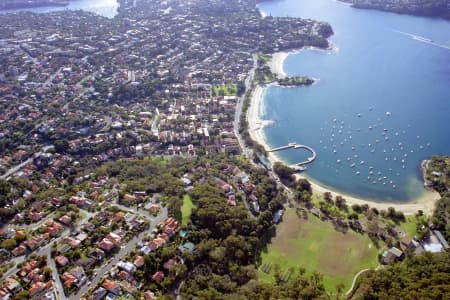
(381, 105)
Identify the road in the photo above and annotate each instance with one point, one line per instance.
(131, 245)
(51, 77)
(44, 250)
(15, 169)
(141, 212)
(238, 110)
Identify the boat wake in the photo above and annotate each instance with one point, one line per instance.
(422, 39)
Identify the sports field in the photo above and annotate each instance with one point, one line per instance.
(315, 245)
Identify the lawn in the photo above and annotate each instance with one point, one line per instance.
(410, 226)
(316, 246)
(225, 90)
(186, 209)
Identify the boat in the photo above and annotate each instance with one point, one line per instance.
(422, 39)
(388, 113)
(352, 165)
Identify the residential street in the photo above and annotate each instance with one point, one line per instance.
(131, 245)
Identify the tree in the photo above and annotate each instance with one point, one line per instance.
(61, 146)
(341, 202)
(284, 172)
(23, 295)
(328, 197)
(303, 185)
(9, 244)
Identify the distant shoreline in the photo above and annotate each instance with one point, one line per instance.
(425, 202)
(26, 4)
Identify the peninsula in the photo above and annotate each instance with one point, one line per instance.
(429, 8)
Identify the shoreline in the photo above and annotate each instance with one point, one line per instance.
(425, 202)
(276, 63)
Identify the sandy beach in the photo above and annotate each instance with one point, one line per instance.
(277, 62)
(426, 202)
(255, 123)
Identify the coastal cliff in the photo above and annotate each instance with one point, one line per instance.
(430, 8)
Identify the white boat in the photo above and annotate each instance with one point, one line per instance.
(422, 39)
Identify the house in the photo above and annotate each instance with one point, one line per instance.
(435, 242)
(126, 266)
(441, 239)
(13, 286)
(391, 255)
(129, 198)
(72, 242)
(168, 265)
(66, 220)
(186, 181)
(187, 247)
(97, 254)
(6, 295)
(153, 209)
(277, 216)
(68, 279)
(86, 262)
(114, 238)
(156, 243)
(61, 260)
(139, 261)
(111, 286)
(79, 274)
(19, 250)
(81, 237)
(123, 275)
(36, 288)
(408, 243)
(149, 295)
(105, 245)
(99, 293)
(158, 276)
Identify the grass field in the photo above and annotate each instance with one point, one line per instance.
(316, 246)
(225, 90)
(186, 209)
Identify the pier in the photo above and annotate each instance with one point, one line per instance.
(298, 166)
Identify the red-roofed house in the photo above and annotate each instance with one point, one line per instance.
(158, 276)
